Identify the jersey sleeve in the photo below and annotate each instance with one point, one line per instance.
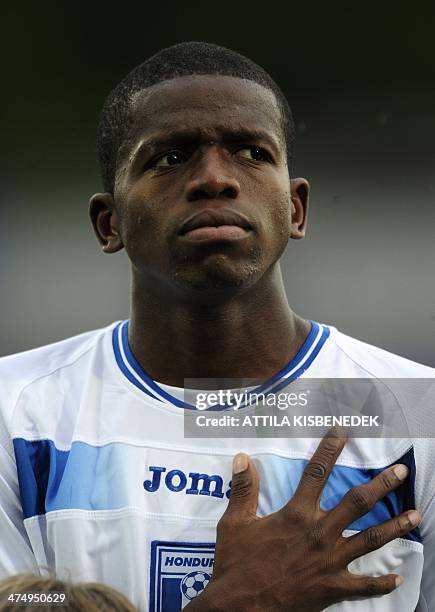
(427, 589)
(425, 504)
(16, 553)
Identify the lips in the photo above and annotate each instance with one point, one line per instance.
(214, 218)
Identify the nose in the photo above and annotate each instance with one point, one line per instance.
(212, 178)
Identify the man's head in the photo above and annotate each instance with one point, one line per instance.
(196, 136)
(184, 59)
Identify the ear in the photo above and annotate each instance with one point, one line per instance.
(300, 190)
(105, 221)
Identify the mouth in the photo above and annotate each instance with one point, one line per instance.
(215, 225)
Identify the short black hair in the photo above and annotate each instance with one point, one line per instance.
(183, 59)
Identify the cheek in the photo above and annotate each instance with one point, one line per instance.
(274, 197)
(145, 211)
(282, 229)
(284, 213)
(278, 218)
(139, 227)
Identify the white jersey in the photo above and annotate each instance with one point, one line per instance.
(98, 482)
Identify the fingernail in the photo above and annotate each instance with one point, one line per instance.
(398, 581)
(414, 517)
(240, 463)
(401, 471)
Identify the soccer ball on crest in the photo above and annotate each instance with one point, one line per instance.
(194, 583)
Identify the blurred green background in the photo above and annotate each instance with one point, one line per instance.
(360, 80)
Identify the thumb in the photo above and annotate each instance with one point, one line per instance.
(244, 488)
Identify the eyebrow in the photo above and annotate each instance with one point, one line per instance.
(190, 138)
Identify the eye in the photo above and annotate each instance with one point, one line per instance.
(254, 153)
(173, 158)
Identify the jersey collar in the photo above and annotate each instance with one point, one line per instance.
(132, 370)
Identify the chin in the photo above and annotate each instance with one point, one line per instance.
(220, 278)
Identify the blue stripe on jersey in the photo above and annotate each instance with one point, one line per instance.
(282, 478)
(40, 467)
(131, 368)
(85, 477)
(122, 362)
(94, 478)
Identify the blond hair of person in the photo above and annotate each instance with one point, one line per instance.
(81, 597)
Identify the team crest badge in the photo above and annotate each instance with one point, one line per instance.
(180, 571)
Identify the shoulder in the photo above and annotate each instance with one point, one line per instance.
(412, 387)
(376, 362)
(20, 370)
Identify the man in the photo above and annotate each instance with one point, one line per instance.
(196, 148)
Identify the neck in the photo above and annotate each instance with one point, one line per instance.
(250, 335)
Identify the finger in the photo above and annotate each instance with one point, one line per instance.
(371, 586)
(318, 469)
(375, 537)
(244, 489)
(360, 500)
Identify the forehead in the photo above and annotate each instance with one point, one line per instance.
(205, 103)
